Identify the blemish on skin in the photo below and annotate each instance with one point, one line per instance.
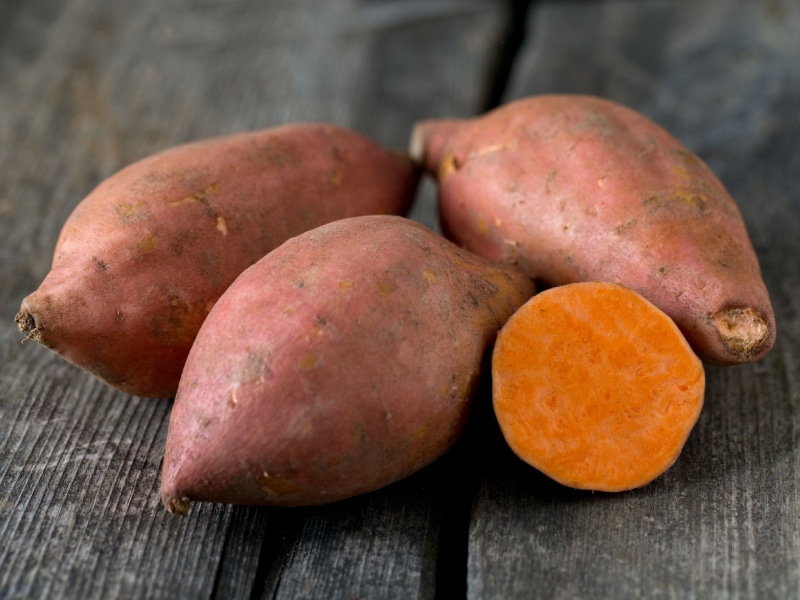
(447, 167)
(385, 287)
(512, 250)
(253, 371)
(693, 199)
(689, 159)
(147, 244)
(651, 145)
(662, 271)
(275, 485)
(334, 461)
(318, 330)
(118, 316)
(233, 400)
(336, 179)
(623, 227)
(483, 228)
(488, 150)
(687, 196)
(601, 181)
(430, 275)
(346, 285)
(222, 226)
(200, 196)
(101, 264)
(498, 222)
(418, 433)
(309, 361)
(550, 176)
(132, 213)
(681, 172)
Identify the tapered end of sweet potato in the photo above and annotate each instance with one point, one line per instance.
(427, 145)
(745, 333)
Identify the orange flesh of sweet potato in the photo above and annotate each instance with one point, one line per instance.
(577, 188)
(142, 259)
(342, 361)
(595, 387)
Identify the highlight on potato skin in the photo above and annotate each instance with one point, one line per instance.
(595, 387)
(577, 188)
(143, 258)
(342, 361)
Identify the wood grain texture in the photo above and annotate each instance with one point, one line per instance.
(723, 522)
(90, 86)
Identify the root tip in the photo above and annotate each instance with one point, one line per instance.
(176, 506)
(27, 324)
(743, 330)
(416, 144)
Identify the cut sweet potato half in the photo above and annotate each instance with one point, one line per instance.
(595, 387)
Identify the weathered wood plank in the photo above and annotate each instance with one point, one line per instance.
(89, 86)
(723, 522)
(375, 540)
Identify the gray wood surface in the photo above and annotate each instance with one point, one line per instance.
(723, 522)
(88, 86)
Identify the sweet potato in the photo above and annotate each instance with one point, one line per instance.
(342, 361)
(577, 188)
(595, 386)
(142, 259)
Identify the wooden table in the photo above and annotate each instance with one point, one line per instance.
(88, 86)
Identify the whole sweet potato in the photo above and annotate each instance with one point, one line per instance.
(578, 188)
(142, 259)
(340, 362)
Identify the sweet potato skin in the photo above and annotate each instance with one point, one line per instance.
(342, 361)
(142, 259)
(578, 188)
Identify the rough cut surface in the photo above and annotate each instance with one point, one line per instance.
(142, 259)
(342, 361)
(595, 387)
(578, 188)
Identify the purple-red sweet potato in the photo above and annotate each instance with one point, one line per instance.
(578, 188)
(340, 362)
(144, 257)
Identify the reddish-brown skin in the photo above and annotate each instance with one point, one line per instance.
(143, 258)
(578, 188)
(339, 363)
